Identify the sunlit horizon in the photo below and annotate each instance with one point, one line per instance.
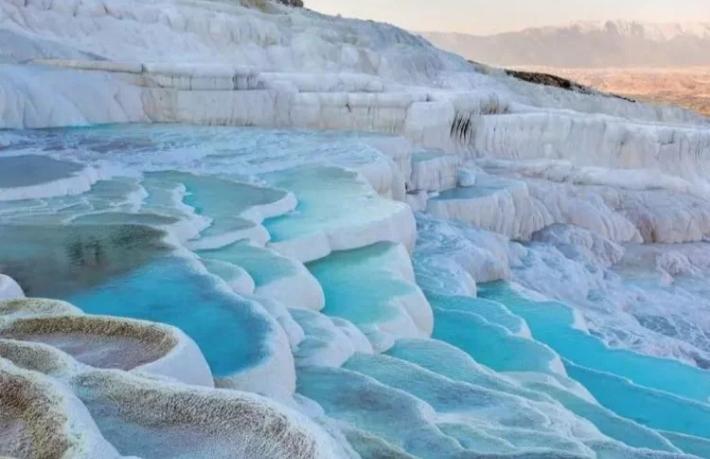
(482, 17)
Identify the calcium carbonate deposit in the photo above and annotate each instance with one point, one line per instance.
(269, 233)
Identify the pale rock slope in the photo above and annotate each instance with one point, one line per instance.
(214, 62)
(328, 238)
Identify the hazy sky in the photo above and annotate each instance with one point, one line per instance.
(490, 16)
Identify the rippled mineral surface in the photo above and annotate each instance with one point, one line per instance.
(266, 261)
(243, 229)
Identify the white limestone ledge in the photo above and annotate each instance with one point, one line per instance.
(106, 342)
(65, 377)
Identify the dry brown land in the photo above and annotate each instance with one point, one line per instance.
(686, 87)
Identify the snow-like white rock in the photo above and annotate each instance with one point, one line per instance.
(494, 204)
(433, 171)
(596, 140)
(581, 180)
(9, 289)
(328, 341)
(302, 69)
(105, 342)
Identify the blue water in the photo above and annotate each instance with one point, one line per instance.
(328, 198)
(358, 287)
(485, 186)
(28, 170)
(552, 322)
(488, 342)
(218, 197)
(491, 311)
(58, 260)
(393, 418)
(659, 393)
(656, 409)
(263, 265)
(624, 429)
(452, 362)
(232, 335)
(107, 267)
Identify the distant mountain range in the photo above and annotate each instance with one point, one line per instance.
(602, 44)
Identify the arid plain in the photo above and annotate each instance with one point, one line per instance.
(688, 87)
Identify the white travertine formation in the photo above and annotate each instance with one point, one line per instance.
(591, 200)
(9, 289)
(41, 418)
(299, 69)
(105, 342)
(53, 395)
